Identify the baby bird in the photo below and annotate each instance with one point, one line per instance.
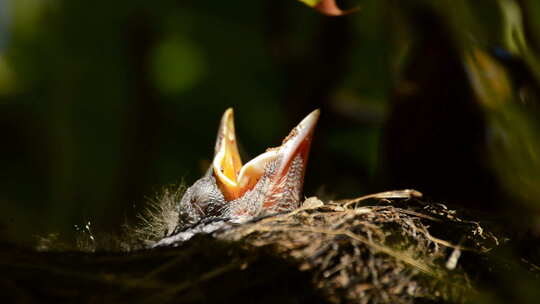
(232, 192)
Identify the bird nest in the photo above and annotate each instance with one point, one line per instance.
(377, 249)
(389, 247)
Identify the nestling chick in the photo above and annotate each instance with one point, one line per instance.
(231, 192)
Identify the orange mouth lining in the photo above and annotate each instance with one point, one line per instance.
(233, 178)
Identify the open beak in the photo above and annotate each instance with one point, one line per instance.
(286, 172)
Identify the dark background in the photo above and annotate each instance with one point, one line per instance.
(102, 103)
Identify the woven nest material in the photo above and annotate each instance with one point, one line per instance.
(374, 251)
(389, 247)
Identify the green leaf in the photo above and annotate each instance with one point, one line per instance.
(311, 3)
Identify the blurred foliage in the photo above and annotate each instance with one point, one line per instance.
(102, 103)
(513, 128)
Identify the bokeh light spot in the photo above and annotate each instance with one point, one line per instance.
(177, 66)
(7, 82)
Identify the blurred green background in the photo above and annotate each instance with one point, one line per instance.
(104, 102)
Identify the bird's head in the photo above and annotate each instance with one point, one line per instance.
(271, 182)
